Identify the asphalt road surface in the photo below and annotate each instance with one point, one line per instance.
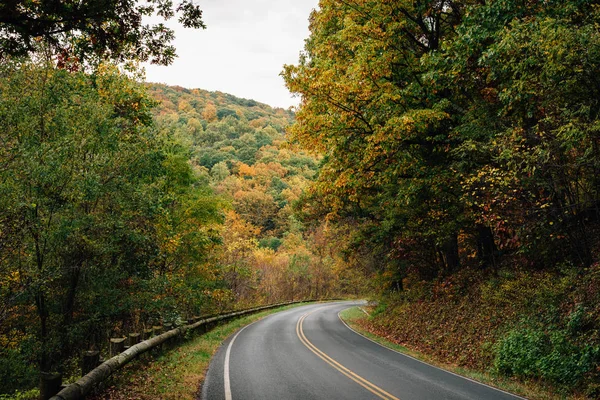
(309, 353)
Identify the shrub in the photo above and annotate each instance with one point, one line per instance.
(532, 353)
(16, 371)
(270, 242)
(32, 394)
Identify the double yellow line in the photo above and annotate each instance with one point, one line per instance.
(376, 390)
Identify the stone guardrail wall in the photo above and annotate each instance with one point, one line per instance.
(99, 373)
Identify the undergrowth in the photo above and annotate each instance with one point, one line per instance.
(530, 326)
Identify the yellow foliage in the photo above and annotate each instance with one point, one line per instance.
(210, 112)
(246, 170)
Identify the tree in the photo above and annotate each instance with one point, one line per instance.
(384, 132)
(89, 29)
(256, 207)
(453, 130)
(209, 113)
(102, 221)
(219, 171)
(523, 79)
(239, 244)
(66, 174)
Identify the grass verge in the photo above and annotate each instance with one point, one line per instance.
(176, 373)
(357, 319)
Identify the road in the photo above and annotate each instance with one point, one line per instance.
(309, 353)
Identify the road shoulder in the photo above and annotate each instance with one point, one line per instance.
(356, 319)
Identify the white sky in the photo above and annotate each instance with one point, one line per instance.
(242, 51)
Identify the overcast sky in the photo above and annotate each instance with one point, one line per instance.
(242, 51)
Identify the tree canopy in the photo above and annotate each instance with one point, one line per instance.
(80, 30)
(460, 145)
(445, 155)
(446, 124)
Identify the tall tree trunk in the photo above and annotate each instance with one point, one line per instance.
(486, 246)
(40, 302)
(450, 255)
(67, 311)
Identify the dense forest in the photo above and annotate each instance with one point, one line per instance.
(444, 161)
(461, 138)
(239, 148)
(125, 205)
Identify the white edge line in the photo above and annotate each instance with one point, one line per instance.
(426, 363)
(226, 365)
(226, 380)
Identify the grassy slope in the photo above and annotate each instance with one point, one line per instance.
(462, 323)
(358, 320)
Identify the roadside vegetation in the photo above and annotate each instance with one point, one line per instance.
(503, 325)
(444, 160)
(460, 142)
(361, 322)
(127, 205)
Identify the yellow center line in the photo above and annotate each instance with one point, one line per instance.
(376, 390)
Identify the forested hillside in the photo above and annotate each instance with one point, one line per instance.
(143, 205)
(104, 224)
(239, 147)
(444, 161)
(461, 138)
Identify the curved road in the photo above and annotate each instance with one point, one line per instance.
(309, 353)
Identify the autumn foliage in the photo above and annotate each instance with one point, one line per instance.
(462, 136)
(267, 253)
